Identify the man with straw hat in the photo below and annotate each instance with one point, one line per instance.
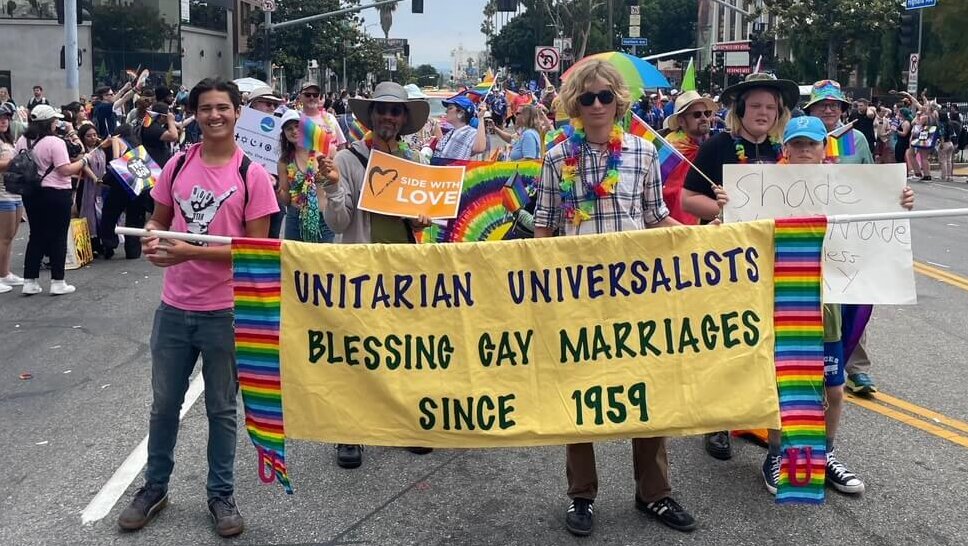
(390, 114)
(759, 111)
(689, 126)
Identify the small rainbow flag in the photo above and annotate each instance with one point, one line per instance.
(798, 355)
(485, 86)
(669, 156)
(840, 141)
(137, 170)
(146, 122)
(356, 129)
(556, 137)
(514, 194)
(313, 136)
(256, 283)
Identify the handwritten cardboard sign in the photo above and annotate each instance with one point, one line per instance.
(864, 262)
(397, 187)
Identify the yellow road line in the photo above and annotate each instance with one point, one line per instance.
(923, 412)
(909, 420)
(941, 275)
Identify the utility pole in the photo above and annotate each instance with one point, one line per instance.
(268, 40)
(611, 26)
(70, 50)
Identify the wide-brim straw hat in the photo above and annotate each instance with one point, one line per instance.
(684, 101)
(418, 110)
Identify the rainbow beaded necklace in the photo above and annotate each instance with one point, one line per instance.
(578, 203)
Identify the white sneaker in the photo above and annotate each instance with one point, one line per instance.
(31, 287)
(59, 288)
(12, 280)
(5, 288)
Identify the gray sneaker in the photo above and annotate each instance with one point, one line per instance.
(225, 514)
(147, 502)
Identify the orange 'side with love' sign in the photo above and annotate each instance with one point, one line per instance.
(397, 187)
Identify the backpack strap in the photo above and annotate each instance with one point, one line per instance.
(365, 162)
(50, 168)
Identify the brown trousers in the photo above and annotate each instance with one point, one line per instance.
(650, 464)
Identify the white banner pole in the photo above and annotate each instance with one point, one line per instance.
(190, 237)
(835, 219)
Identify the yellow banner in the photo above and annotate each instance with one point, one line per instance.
(530, 342)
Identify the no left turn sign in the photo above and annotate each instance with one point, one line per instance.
(547, 59)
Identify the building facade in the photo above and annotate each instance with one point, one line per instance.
(178, 41)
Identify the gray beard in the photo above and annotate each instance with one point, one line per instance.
(386, 135)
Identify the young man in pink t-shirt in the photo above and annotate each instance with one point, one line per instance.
(204, 191)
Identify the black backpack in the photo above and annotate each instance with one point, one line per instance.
(22, 177)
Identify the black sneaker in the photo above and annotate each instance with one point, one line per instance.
(225, 514)
(420, 450)
(718, 445)
(147, 502)
(580, 517)
(668, 511)
(349, 455)
(842, 479)
(771, 472)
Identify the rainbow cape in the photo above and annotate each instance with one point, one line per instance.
(798, 323)
(669, 157)
(840, 141)
(257, 285)
(313, 136)
(136, 170)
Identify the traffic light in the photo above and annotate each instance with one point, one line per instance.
(906, 34)
(507, 6)
(417, 6)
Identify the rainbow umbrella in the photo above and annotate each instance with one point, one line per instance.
(638, 74)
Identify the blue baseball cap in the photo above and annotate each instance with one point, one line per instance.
(805, 126)
(464, 104)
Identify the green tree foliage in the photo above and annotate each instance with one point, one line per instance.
(944, 58)
(668, 24)
(322, 40)
(134, 27)
(514, 45)
(426, 75)
(839, 27)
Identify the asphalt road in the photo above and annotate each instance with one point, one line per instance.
(70, 427)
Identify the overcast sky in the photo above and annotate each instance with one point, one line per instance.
(444, 25)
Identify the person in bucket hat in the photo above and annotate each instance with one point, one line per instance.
(828, 103)
(389, 115)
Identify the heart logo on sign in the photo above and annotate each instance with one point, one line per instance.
(383, 179)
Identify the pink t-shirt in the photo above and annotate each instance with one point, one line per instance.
(209, 200)
(48, 151)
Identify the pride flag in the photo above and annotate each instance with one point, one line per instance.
(356, 129)
(313, 136)
(840, 141)
(669, 156)
(514, 194)
(485, 86)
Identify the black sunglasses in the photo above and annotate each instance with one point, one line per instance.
(604, 96)
(391, 109)
(702, 114)
(311, 95)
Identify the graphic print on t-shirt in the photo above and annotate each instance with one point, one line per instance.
(200, 209)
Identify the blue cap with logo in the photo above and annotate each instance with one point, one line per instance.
(805, 126)
(464, 104)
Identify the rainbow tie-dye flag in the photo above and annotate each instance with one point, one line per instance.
(840, 141)
(313, 136)
(669, 156)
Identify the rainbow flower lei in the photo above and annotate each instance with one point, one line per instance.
(402, 145)
(302, 191)
(741, 150)
(578, 204)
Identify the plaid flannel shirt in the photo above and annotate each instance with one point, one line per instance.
(636, 203)
(457, 144)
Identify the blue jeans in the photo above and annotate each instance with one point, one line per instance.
(292, 227)
(177, 339)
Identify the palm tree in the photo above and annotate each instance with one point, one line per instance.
(386, 18)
